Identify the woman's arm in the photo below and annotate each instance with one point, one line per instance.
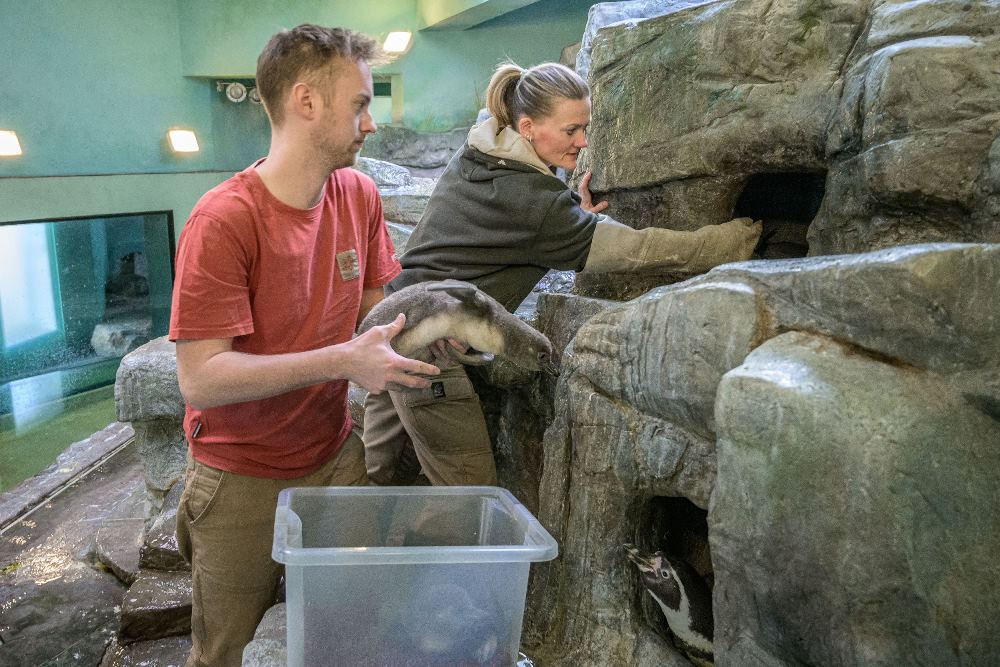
(618, 247)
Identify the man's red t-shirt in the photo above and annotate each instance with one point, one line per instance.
(277, 279)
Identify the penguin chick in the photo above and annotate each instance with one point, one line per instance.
(460, 310)
(683, 598)
(447, 626)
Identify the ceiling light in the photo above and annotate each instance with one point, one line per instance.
(183, 141)
(396, 42)
(9, 145)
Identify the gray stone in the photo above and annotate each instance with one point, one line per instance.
(385, 174)
(406, 203)
(120, 336)
(157, 605)
(630, 12)
(635, 418)
(75, 459)
(568, 54)
(848, 523)
(560, 316)
(146, 384)
(166, 652)
(756, 105)
(59, 602)
(356, 402)
(399, 234)
(401, 145)
(879, 97)
(920, 89)
(162, 447)
(268, 646)
(932, 306)
(119, 538)
(159, 547)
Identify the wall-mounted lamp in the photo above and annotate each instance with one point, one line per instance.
(183, 141)
(9, 145)
(397, 42)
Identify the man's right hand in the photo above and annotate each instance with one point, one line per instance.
(375, 366)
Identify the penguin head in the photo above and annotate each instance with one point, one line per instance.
(658, 575)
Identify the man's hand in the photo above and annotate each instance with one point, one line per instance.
(373, 364)
(587, 199)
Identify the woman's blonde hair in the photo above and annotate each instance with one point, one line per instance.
(514, 92)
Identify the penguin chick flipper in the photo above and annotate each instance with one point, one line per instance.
(467, 293)
(474, 359)
(464, 292)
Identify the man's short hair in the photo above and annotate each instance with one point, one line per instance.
(307, 52)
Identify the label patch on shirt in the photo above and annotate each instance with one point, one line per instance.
(347, 262)
(437, 389)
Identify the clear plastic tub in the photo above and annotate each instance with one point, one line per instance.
(414, 576)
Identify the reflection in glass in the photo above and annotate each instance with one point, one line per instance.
(76, 295)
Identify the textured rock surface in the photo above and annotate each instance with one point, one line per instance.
(399, 234)
(119, 537)
(75, 459)
(120, 336)
(146, 384)
(851, 523)
(157, 605)
(404, 146)
(163, 448)
(166, 652)
(604, 14)
(147, 395)
(159, 545)
(385, 174)
(268, 647)
(406, 203)
(874, 99)
(636, 418)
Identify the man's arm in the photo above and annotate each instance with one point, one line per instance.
(369, 298)
(211, 373)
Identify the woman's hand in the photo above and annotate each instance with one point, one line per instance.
(587, 200)
(439, 348)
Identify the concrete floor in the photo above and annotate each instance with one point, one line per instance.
(58, 606)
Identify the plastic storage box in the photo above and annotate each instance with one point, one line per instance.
(414, 576)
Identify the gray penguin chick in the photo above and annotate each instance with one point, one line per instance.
(460, 310)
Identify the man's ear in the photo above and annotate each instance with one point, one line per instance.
(302, 100)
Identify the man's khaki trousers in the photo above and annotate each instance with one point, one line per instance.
(225, 526)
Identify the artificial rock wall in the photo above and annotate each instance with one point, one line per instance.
(835, 416)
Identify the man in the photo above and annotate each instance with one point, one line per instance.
(275, 268)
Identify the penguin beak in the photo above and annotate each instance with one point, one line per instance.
(640, 561)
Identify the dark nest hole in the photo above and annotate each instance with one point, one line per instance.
(787, 202)
(678, 529)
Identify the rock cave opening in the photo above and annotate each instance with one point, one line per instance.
(787, 202)
(676, 530)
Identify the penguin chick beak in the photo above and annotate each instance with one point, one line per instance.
(640, 561)
(547, 363)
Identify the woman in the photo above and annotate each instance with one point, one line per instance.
(500, 219)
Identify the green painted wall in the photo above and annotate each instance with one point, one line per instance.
(444, 73)
(91, 88)
(74, 196)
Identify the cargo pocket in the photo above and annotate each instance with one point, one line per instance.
(446, 416)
